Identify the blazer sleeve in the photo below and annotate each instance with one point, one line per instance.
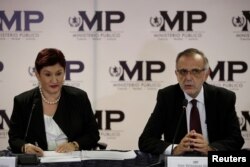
(76, 118)
(90, 136)
(223, 124)
(18, 124)
(150, 139)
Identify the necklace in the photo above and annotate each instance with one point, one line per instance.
(47, 101)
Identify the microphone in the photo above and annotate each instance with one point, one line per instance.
(28, 159)
(184, 106)
(28, 125)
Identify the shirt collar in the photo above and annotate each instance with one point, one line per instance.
(199, 98)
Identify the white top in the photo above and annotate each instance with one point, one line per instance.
(54, 134)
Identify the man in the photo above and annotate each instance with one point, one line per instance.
(218, 122)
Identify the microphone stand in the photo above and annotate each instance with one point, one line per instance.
(184, 106)
(28, 125)
(28, 159)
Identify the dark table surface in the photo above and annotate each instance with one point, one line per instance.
(141, 160)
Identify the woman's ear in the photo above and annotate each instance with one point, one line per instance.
(37, 75)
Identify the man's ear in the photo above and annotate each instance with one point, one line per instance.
(207, 74)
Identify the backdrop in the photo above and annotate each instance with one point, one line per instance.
(122, 53)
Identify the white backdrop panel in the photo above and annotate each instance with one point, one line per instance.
(125, 105)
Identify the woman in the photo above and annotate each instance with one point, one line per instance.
(52, 116)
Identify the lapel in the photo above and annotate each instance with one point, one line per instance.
(38, 121)
(210, 105)
(62, 116)
(179, 110)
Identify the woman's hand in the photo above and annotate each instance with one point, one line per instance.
(66, 147)
(32, 149)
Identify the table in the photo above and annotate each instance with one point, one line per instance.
(141, 160)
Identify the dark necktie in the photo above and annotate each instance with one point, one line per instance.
(195, 123)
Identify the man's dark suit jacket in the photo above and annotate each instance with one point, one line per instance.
(222, 122)
(74, 116)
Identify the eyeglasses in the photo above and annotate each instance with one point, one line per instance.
(195, 72)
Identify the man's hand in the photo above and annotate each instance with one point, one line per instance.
(192, 142)
(199, 143)
(183, 146)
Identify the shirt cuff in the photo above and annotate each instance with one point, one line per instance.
(168, 150)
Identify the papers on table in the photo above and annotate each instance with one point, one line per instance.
(8, 161)
(108, 155)
(77, 156)
(52, 156)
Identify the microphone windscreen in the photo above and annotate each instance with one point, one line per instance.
(184, 103)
